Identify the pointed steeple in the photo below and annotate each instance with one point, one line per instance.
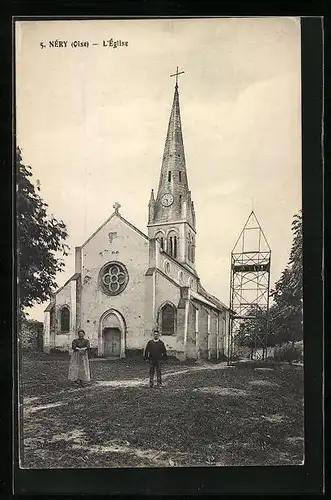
(152, 199)
(173, 180)
(173, 156)
(151, 205)
(171, 215)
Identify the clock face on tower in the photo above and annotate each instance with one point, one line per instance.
(167, 200)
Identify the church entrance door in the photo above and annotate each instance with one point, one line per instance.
(112, 335)
(112, 342)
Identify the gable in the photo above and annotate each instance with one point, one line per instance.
(107, 224)
(117, 240)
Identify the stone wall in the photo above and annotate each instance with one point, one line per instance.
(191, 349)
(176, 271)
(213, 334)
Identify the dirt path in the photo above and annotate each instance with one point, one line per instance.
(34, 404)
(142, 382)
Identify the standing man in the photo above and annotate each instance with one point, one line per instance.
(155, 350)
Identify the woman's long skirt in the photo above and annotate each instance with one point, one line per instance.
(79, 368)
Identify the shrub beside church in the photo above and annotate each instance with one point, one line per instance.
(31, 334)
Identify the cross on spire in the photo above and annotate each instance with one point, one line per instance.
(117, 206)
(176, 75)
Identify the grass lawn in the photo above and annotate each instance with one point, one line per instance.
(203, 415)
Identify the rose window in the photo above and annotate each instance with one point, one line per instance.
(114, 278)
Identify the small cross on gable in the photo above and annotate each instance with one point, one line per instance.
(117, 206)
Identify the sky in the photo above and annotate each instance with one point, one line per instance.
(92, 122)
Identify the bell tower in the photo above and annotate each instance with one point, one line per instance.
(171, 215)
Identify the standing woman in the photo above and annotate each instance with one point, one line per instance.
(79, 368)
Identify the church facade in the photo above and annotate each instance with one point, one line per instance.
(127, 283)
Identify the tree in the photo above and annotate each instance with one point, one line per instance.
(253, 329)
(287, 294)
(40, 239)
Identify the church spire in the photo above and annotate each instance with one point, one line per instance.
(173, 190)
(173, 156)
(171, 214)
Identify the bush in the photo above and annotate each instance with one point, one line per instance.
(288, 352)
(30, 334)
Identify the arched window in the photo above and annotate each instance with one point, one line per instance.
(169, 176)
(180, 200)
(180, 177)
(167, 267)
(160, 238)
(65, 319)
(175, 247)
(172, 244)
(168, 319)
(189, 246)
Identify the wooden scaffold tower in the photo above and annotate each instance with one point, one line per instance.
(249, 294)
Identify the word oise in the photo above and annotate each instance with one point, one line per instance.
(79, 43)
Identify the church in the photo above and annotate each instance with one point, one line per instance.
(128, 282)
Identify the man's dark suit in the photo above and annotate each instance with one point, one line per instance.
(154, 352)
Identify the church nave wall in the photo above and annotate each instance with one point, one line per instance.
(224, 325)
(203, 333)
(168, 292)
(192, 325)
(176, 271)
(61, 340)
(213, 334)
